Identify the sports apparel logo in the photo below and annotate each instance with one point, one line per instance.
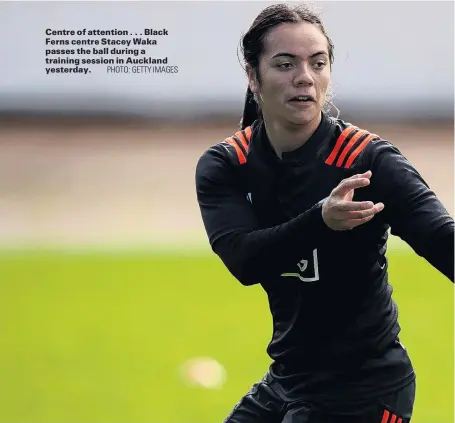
(389, 417)
(305, 273)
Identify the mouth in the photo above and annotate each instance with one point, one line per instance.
(302, 99)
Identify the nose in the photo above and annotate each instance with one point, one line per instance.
(303, 76)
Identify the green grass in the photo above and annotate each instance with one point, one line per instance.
(99, 339)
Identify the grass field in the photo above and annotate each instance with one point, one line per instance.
(99, 338)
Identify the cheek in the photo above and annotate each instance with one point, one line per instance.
(274, 84)
(325, 79)
(323, 83)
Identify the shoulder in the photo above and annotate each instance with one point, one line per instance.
(221, 160)
(354, 147)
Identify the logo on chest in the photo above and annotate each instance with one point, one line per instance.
(308, 269)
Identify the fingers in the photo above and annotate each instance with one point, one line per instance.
(358, 212)
(341, 213)
(354, 205)
(352, 183)
(337, 219)
(367, 174)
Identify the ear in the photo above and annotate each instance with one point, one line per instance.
(252, 80)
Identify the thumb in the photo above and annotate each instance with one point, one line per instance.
(366, 174)
(350, 184)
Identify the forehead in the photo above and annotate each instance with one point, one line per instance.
(301, 39)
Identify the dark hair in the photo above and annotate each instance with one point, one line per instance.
(252, 44)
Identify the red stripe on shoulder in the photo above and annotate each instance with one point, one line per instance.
(240, 135)
(359, 149)
(240, 155)
(341, 139)
(349, 145)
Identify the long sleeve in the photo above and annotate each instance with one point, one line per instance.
(412, 209)
(251, 254)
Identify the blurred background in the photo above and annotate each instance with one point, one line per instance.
(112, 306)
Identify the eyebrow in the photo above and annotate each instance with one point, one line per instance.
(293, 56)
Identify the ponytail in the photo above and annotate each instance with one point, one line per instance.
(250, 110)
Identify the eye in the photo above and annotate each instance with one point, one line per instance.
(320, 64)
(285, 65)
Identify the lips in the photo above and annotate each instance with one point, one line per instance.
(303, 99)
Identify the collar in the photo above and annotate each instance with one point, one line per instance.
(261, 143)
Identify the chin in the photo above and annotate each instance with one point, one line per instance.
(301, 116)
(304, 117)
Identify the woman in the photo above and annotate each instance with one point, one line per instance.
(301, 203)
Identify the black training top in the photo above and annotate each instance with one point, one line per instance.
(333, 314)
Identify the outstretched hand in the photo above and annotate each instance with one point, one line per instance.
(340, 213)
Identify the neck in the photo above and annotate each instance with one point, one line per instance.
(287, 137)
